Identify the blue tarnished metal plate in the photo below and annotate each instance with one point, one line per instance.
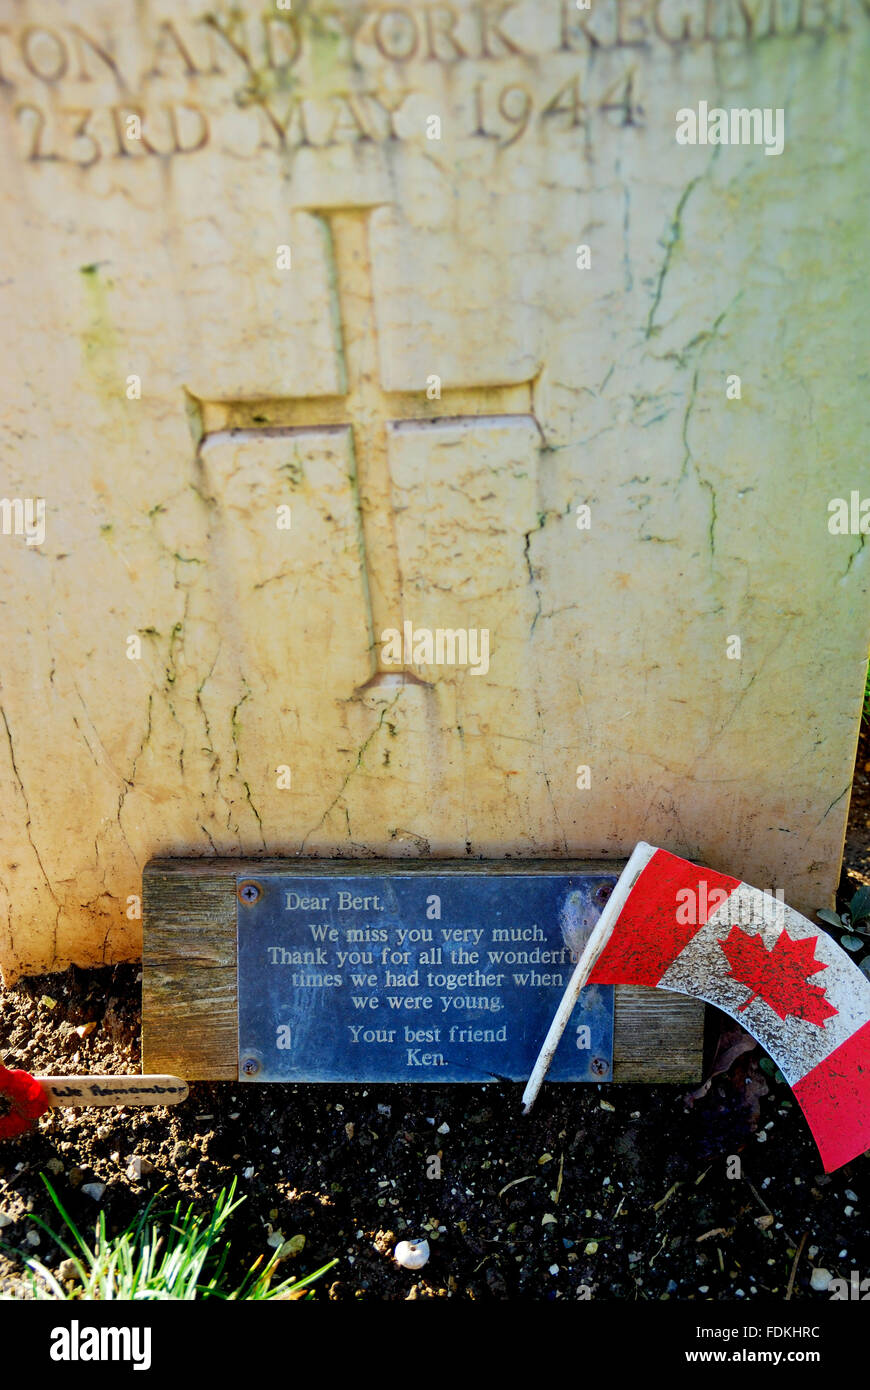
(416, 977)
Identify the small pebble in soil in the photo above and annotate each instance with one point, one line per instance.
(852, 1196)
(139, 1167)
(67, 1271)
(411, 1254)
(94, 1190)
(820, 1279)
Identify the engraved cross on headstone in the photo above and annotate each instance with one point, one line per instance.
(368, 411)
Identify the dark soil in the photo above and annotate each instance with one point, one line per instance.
(620, 1192)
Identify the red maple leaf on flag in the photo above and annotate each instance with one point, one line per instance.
(779, 976)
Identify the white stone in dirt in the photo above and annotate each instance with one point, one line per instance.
(820, 1279)
(94, 1190)
(301, 347)
(412, 1254)
(139, 1167)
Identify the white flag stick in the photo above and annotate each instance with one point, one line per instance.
(640, 857)
(113, 1090)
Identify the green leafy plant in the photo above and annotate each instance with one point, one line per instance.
(168, 1255)
(772, 1071)
(856, 922)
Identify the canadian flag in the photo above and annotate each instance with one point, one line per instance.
(671, 924)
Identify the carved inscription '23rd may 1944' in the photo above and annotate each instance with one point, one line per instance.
(52, 75)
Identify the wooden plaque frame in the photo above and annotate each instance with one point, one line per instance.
(189, 984)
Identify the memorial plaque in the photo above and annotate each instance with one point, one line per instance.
(209, 981)
(416, 977)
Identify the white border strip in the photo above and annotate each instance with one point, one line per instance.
(641, 855)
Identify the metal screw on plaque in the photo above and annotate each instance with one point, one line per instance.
(603, 893)
(249, 1066)
(598, 1066)
(248, 892)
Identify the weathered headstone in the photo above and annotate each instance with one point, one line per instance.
(379, 515)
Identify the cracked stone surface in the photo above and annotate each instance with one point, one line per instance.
(312, 388)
